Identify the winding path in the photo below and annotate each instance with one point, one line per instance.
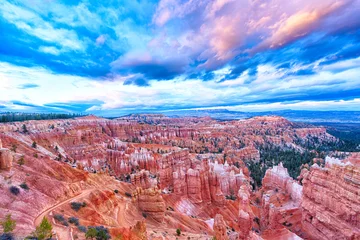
(40, 217)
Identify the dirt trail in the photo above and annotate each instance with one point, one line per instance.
(39, 218)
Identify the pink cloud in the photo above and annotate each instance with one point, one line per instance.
(100, 40)
(220, 29)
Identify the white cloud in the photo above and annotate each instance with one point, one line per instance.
(179, 93)
(35, 25)
(50, 50)
(100, 40)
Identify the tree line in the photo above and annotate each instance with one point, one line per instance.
(20, 117)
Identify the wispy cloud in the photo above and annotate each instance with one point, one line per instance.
(28, 86)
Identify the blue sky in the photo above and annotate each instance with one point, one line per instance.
(116, 57)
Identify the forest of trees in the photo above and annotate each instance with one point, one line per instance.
(272, 155)
(19, 117)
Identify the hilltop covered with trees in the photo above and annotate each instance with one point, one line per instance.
(20, 117)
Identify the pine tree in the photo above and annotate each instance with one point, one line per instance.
(8, 224)
(24, 129)
(44, 230)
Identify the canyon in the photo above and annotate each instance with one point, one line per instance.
(155, 177)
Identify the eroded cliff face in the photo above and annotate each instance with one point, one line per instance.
(220, 228)
(146, 180)
(281, 202)
(150, 202)
(331, 202)
(6, 158)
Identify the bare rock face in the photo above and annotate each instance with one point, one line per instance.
(143, 179)
(194, 185)
(220, 228)
(245, 212)
(217, 195)
(281, 201)
(180, 184)
(6, 158)
(150, 202)
(331, 202)
(278, 177)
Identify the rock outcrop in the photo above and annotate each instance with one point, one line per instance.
(281, 201)
(150, 202)
(6, 158)
(220, 228)
(331, 202)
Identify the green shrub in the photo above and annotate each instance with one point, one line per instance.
(14, 190)
(21, 161)
(82, 229)
(99, 232)
(59, 217)
(24, 186)
(178, 231)
(8, 224)
(43, 231)
(76, 206)
(74, 220)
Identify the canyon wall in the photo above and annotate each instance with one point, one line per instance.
(331, 202)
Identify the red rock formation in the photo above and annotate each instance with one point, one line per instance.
(217, 196)
(278, 177)
(143, 179)
(150, 202)
(220, 228)
(197, 163)
(6, 158)
(331, 202)
(194, 185)
(245, 212)
(281, 201)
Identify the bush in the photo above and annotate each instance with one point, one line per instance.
(13, 147)
(43, 231)
(144, 215)
(231, 197)
(74, 220)
(65, 223)
(34, 145)
(99, 232)
(6, 236)
(178, 231)
(36, 155)
(90, 233)
(59, 217)
(82, 229)
(14, 190)
(21, 161)
(116, 191)
(76, 206)
(8, 224)
(128, 194)
(24, 186)
(24, 129)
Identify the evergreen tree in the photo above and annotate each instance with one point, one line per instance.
(44, 230)
(8, 224)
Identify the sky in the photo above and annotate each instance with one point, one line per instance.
(125, 56)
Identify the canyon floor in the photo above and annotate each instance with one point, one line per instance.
(154, 177)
